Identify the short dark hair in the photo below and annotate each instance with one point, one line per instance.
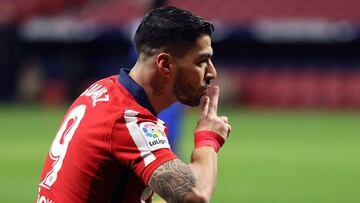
(170, 28)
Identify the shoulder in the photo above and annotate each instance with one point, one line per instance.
(108, 96)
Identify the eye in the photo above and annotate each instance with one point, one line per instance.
(203, 63)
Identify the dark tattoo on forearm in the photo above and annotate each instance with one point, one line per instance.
(172, 180)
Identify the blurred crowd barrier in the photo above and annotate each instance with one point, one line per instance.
(270, 53)
(308, 87)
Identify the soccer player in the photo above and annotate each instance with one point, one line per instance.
(111, 147)
(174, 114)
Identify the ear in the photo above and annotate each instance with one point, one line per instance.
(163, 63)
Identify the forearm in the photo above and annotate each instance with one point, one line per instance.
(204, 167)
(177, 182)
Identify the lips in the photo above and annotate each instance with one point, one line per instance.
(205, 89)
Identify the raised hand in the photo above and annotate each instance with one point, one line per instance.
(209, 120)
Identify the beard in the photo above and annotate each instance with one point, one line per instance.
(185, 92)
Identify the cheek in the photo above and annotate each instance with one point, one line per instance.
(195, 79)
(197, 73)
(200, 76)
(192, 75)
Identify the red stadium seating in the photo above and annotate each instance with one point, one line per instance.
(226, 11)
(247, 11)
(113, 12)
(28, 8)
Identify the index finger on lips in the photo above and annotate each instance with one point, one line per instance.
(213, 94)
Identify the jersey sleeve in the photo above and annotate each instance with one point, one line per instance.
(139, 141)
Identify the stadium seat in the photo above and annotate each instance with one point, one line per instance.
(245, 11)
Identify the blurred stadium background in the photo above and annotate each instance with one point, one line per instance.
(289, 72)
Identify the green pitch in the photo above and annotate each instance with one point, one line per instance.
(271, 156)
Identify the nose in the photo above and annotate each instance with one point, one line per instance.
(211, 71)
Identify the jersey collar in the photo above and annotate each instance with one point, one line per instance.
(135, 90)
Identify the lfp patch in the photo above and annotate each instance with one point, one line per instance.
(155, 138)
(151, 130)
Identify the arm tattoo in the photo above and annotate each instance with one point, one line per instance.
(172, 180)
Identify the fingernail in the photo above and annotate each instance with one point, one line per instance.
(205, 100)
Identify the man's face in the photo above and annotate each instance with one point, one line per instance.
(194, 71)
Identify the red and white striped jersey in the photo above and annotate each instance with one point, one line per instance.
(108, 145)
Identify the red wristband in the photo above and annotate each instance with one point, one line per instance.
(208, 138)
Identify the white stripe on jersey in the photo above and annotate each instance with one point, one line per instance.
(161, 124)
(137, 136)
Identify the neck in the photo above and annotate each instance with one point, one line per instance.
(156, 87)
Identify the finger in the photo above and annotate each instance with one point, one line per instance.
(213, 94)
(204, 106)
(225, 119)
(229, 130)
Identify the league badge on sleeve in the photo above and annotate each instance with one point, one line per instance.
(154, 136)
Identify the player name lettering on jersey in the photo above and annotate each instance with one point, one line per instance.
(43, 199)
(97, 92)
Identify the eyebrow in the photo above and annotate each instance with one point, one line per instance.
(204, 56)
